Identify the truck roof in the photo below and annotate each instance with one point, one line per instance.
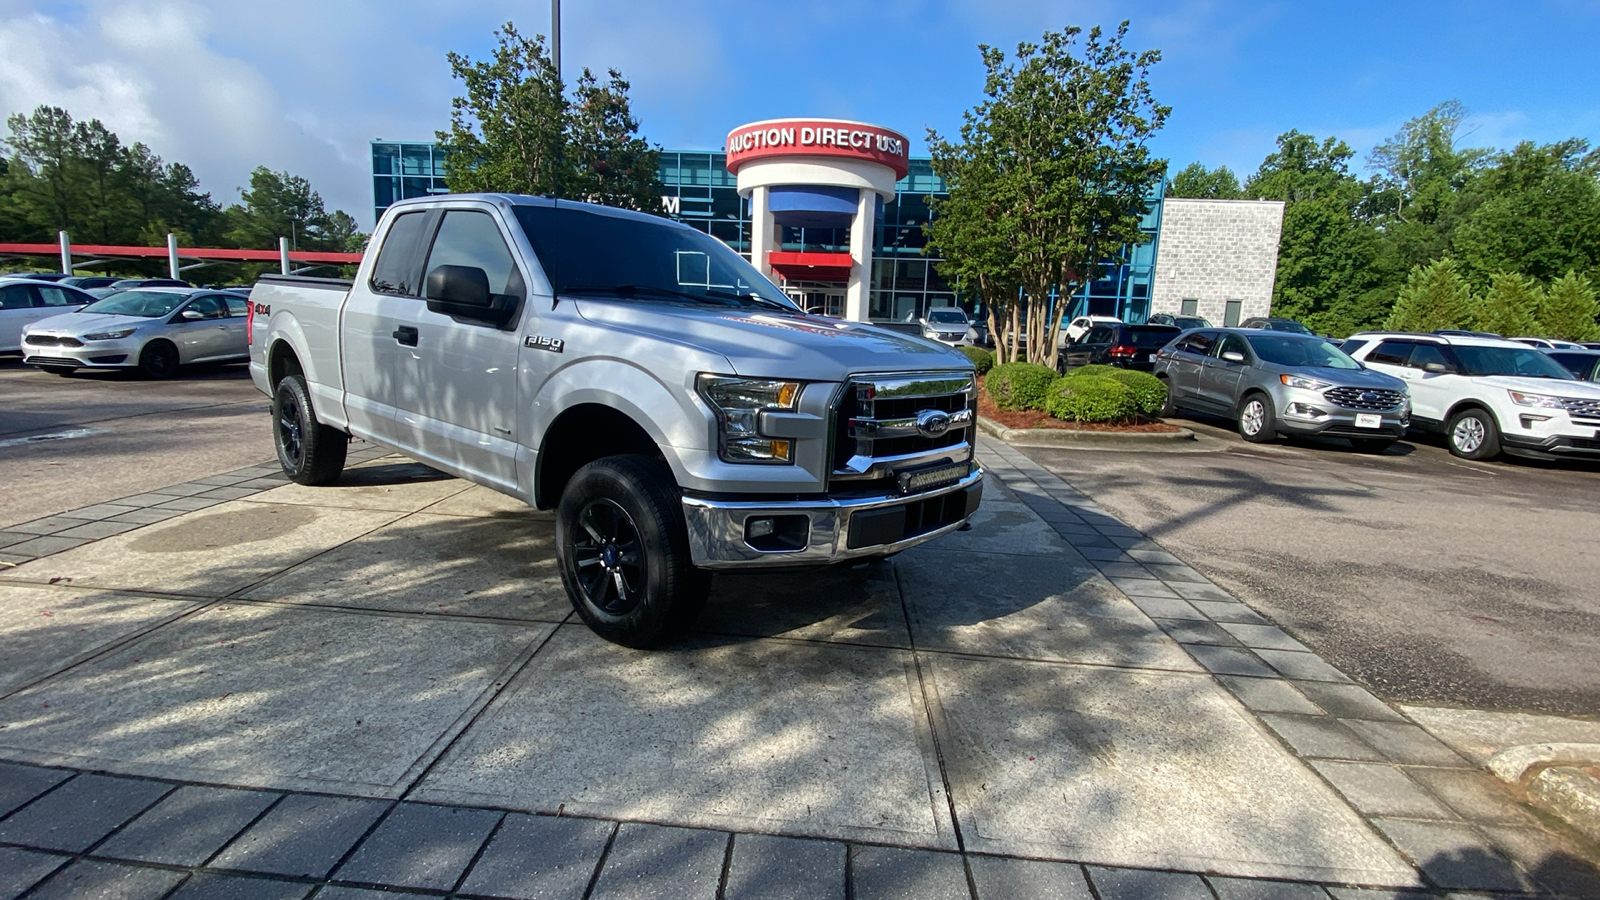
(508, 201)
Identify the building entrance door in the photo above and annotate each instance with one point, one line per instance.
(825, 302)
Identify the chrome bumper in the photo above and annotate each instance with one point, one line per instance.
(820, 532)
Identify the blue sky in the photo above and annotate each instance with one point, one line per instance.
(304, 84)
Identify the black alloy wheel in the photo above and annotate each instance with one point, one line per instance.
(158, 359)
(609, 556)
(311, 453)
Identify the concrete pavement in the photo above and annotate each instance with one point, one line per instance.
(379, 684)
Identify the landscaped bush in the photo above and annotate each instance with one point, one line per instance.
(1149, 392)
(1090, 398)
(980, 357)
(1019, 385)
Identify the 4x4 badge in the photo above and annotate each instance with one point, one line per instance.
(540, 342)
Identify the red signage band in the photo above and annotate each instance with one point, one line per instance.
(818, 138)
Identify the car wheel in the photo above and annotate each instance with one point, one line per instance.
(1372, 445)
(624, 551)
(1473, 434)
(311, 453)
(1257, 422)
(60, 370)
(158, 359)
(1169, 405)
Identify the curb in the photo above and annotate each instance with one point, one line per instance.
(1063, 437)
(1557, 785)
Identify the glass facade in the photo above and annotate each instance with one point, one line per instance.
(698, 190)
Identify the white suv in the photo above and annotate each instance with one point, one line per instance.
(1487, 394)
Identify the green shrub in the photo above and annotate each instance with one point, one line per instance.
(1019, 385)
(1091, 398)
(980, 357)
(1149, 392)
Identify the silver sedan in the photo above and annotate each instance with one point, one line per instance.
(152, 329)
(1274, 382)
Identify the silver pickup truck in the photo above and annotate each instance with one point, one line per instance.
(678, 412)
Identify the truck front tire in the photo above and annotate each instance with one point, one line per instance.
(311, 453)
(624, 551)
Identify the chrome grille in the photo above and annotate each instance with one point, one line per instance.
(1582, 406)
(875, 424)
(50, 340)
(1364, 398)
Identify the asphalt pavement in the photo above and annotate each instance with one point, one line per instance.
(1430, 579)
(95, 436)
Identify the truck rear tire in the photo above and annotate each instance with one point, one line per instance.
(624, 551)
(310, 452)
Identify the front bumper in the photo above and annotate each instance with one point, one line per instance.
(91, 355)
(825, 530)
(1295, 406)
(1559, 446)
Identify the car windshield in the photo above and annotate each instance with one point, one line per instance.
(1187, 322)
(1524, 361)
(149, 304)
(1151, 337)
(587, 253)
(1300, 353)
(947, 317)
(1287, 325)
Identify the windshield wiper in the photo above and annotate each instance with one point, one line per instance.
(752, 298)
(710, 297)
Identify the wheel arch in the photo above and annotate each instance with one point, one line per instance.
(580, 435)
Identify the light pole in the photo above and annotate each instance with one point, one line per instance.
(555, 35)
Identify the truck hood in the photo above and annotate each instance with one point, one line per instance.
(78, 324)
(762, 343)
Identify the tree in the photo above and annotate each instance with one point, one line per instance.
(1535, 210)
(1417, 178)
(1195, 180)
(1328, 274)
(1059, 142)
(1509, 306)
(517, 131)
(44, 150)
(1435, 296)
(282, 205)
(1569, 310)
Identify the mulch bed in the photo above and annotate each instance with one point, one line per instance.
(1033, 418)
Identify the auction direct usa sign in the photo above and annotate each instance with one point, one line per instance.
(780, 138)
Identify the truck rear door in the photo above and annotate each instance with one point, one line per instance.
(375, 346)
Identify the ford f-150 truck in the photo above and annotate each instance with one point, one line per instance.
(674, 408)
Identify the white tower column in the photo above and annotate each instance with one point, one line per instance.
(763, 231)
(858, 295)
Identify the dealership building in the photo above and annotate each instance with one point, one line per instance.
(800, 198)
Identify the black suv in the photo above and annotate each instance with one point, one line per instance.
(1117, 344)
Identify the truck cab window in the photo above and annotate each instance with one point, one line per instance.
(395, 272)
(470, 238)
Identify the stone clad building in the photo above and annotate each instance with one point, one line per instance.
(1217, 258)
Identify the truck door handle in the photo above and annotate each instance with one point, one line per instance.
(406, 335)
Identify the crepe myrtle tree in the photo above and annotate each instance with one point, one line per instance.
(1048, 179)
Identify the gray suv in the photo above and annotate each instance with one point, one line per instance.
(1274, 382)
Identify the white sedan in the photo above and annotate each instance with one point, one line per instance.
(23, 303)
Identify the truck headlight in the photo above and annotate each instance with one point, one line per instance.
(738, 403)
(110, 335)
(1541, 400)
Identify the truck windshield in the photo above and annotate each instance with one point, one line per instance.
(149, 304)
(585, 252)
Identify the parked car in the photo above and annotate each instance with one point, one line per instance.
(949, 325)
(1486, 395)
(1120, 345)
(1077, 327)
(1548, 343)
(1583, 364)
(23, 303)
(154, 329)
(556, 353)
(1271, 323)
(1273, 382)
(128, 284)
(38, 276)
(90, 282)
(1183, 322)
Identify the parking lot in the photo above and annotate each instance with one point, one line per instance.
(1431, 579)
(380, 684)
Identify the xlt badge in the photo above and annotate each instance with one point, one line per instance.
(540, 342)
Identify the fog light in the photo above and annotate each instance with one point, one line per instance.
(759, 528)
(1529, 420)
(1305, 411)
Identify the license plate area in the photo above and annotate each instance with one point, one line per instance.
(1369, 420)
(917, 479)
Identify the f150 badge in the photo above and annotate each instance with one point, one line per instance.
(540, 342)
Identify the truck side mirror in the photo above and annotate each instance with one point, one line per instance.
(462, 292)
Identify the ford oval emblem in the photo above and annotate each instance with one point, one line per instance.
(1369, 396)
(932, 423)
